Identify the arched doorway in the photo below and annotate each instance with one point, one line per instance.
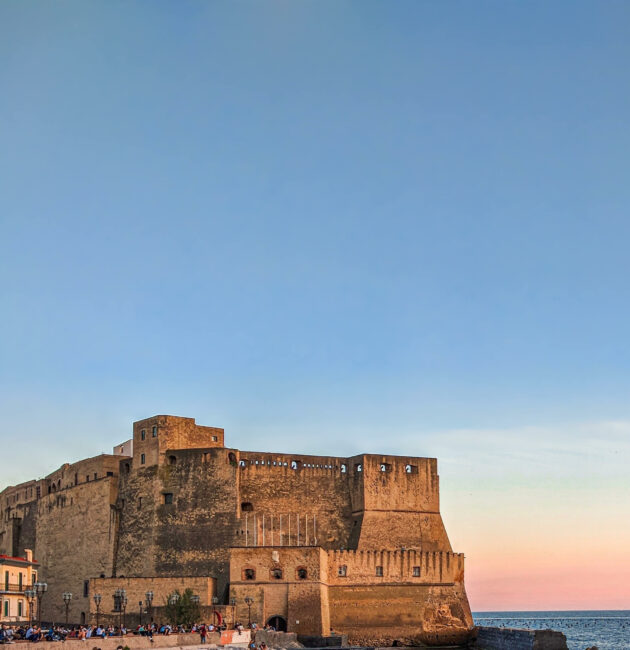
(278, 622)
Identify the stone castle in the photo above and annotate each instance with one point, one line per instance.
(353, 545)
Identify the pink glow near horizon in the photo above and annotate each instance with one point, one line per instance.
(542, 515)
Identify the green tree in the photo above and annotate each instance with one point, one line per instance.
(182, 610)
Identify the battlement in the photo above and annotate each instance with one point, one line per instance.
(404, 565)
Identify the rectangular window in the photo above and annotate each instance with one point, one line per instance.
(215, 438)
(142, 459)
(168, 498)
(110, 473)
(379, 571)
(143, 434)
(154, 432)
(343, 571)
(95, 476)
(6, 581)
(20, 606)
(87, 478)
(416, 572)
(20, 581)
(139, 503)
(6, 609)
(86, 588)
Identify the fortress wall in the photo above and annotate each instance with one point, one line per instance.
(403, 484)
(136, 589)
(303, 602)
(193, 534)
(395, 530)
(317, 491)
(75, 534)
(410, 614)
(397, 567)
(83, 471)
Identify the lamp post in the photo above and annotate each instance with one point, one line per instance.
(248, 602)
(120, 603)
(215, 613)
(40, 589)
(97, 602)
(124, 608)
(67, 597)
(149, 597)
(194, 599)
(233, 603)
(30, 597)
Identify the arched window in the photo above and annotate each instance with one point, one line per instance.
(127, 468)
(276, 574)
(232, 458)
(301, 573)
(411, 469)
(344, 468)
(358, 467)
(172, 460)
(249, 574)
(246, 506)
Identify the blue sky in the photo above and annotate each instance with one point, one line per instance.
(325, 226)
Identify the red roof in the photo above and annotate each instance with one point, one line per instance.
(17, 559)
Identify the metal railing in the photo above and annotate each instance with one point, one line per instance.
(13, 587)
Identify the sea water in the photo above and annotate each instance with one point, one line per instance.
(608, 630)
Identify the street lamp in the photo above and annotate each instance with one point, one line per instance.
(149, 597)
(194, 599)
(248, 602)
(30, 597)
(120, 603)
(67, 597)
(97, 602)
(233, 603)
(40, 588)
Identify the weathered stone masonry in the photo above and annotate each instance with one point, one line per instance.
(366, 533)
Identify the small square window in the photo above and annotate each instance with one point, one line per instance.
(142, 459)
(276, 574)
(249, 574)
(302, 574)
(143, 434)
(215, 438)
(416, 572)
(342, 572)
(168, 498)
(379, 571)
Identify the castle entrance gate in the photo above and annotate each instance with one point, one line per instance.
(278, 622)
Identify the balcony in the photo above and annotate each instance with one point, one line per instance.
(11, 588)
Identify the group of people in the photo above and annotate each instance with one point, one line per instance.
(35, 633)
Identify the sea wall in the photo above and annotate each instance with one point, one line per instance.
(500, 638)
